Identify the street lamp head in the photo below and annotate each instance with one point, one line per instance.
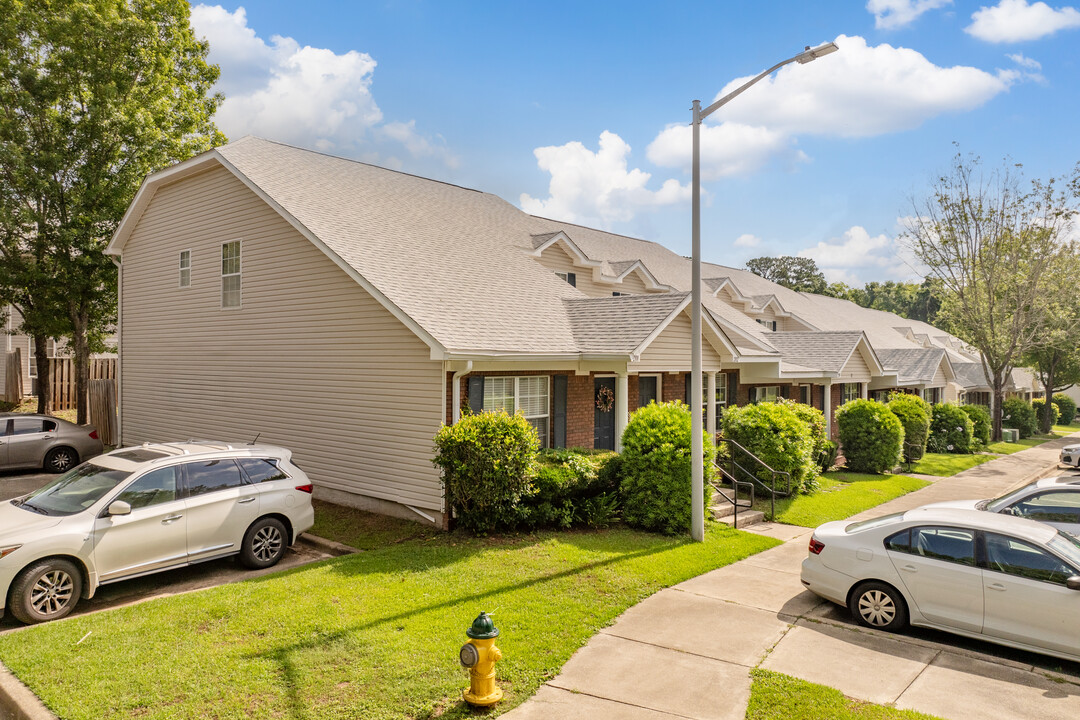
(814, 53)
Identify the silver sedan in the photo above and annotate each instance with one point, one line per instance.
(43, 441)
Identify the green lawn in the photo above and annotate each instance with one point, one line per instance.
(1060, 430)
(1008, 448)
(781, 697)
(841, 495)
(373, 635)
(947, 465)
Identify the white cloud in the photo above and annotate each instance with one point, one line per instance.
(597, 187)
(1016, 21)
(306, 96)
(860, 91)
(856, 258)
(1025, 62)
(747, 240)
(893, 14)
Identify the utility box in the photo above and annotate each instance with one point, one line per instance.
(1010, 434)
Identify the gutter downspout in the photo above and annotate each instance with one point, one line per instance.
(119, 345)
(455, 410)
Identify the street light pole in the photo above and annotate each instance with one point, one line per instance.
(697, 449)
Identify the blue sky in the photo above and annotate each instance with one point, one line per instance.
(580, 110)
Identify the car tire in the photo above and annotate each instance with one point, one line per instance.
(264, 543)
(879, 606)
(47, 590)
(61, 459)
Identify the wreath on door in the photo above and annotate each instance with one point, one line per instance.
(605, 399)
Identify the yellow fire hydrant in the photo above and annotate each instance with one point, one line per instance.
(479, 654)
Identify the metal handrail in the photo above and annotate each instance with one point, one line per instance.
(752, 477)
(735, 483)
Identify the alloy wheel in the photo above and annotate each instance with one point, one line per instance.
(267, 543)
(52, 592)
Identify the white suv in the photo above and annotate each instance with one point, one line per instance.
(144, 509)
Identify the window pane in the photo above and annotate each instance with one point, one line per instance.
(1015, 557)
(499, 394)
(541, 425)
(950, 544)
(153, 488)
(262, 470)
(185, 277)
(230, 258)
(212, 475)
(28, 426)
(1061, 506)
(230, 291)
(533, 396)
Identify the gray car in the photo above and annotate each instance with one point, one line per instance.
(43, 441)
(1053, 500)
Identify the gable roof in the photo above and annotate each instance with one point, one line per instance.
(829, 351)
(915, 366)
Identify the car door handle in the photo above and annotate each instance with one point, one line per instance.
(171, 518)
(996, 586)
(909, 568)
(245, 501)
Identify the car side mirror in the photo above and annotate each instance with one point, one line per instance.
(119, 507)
(1073, 583)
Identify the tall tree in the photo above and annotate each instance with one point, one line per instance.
(990, 239)
(1055, 357)
(94, 95)
(798, 273)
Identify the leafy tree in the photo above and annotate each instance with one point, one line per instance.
(94, 95)
(990, 241)
(798, 273)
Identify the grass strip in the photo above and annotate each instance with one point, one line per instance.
(1008, 448)
(774, 696)
(373, 635)
(841, 495)
(946, 464)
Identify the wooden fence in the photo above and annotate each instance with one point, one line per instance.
(13, 377)
(101, 407)
(62, 379)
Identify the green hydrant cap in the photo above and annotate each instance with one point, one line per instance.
(482, 628)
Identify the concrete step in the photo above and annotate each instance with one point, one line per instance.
(722, 508)
(746, 518)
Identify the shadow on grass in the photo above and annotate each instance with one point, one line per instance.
(378, 561)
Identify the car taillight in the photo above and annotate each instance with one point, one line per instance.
(93, 435)
(305, 488)
(816, 546)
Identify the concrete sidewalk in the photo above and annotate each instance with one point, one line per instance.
(686, 652)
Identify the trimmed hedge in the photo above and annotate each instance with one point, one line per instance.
(951, 430)
(871, 436)
(1067, 406)
(1039, 406)
(656, 470)
(914, 414)
(569, 488)
(779, 437)
(485, 460)
(981, 422)
(1018, 414)
(824, 455)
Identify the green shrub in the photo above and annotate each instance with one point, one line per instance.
(775, 433)
(485, 460)
(914, 414)
(567, 488)
(827, 458)
(815, 422)
(871, 436)
(1039, 406)
(1067, 406)
(656, 468)
(951, 430)
(1017, 413)
(980, 419)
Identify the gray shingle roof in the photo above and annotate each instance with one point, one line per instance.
(538, 240)
(828, 351)
(914, 365)
(970, 375)
(619, 324)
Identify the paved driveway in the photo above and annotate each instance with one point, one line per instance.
(194, 577)
(709, 632)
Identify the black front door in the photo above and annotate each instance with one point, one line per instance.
(604, 427)
(646, 389)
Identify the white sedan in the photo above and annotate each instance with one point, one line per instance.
(145, 509)
(1000, 578)
(1070, 455)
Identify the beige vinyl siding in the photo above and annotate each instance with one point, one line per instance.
(311, 361)
(556, 259)
(939, 378)
(670, 351)
(856, 369)
(632, 283)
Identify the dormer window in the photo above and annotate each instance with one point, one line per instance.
(771, 324)
(568, 277)
(621, 294)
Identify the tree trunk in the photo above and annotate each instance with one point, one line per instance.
(1046, 422)
(44, 375)
(80, 322)
(999, 398)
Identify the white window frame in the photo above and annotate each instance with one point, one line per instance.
(761, 388)
(565, 277)
(771, 324)
(183, 267)
(659, 385)
(546, 441)
(856, 392)
(238, 274)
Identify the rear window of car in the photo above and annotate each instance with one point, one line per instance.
(262, 469)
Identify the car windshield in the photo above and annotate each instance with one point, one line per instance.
(876, 522)
(1067, 546)
(74, 491)
(1000, 503)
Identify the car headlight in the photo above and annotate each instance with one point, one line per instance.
(5, 551)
